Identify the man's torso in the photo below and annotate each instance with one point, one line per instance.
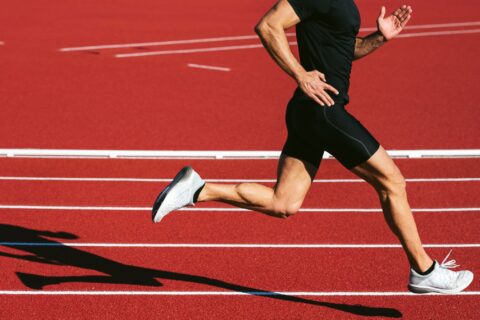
(326, 39)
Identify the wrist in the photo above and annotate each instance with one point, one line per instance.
(380, 36)
(298, 75)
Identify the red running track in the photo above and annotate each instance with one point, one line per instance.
(226, 270)
(243, 307)
(231, 227)
(297, 270)
(135, 194)
(53, 99)
(245, 227)
(95, 101)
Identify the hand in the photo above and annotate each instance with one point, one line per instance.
(314, 85)
(392, 25)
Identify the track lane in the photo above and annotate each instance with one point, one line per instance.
(232, 169)
(144, 131)
(240, 227)
(424, 194)
(299, 270)
(135, 194)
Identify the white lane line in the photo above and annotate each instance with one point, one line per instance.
(432, 26)
(441, 179)
(160, 180)
(437, 33)
(244, 37)
(196, 50)
(162, 43)
(214, 154)
(225, 293)
(231, 246)
(201, 66)
(293, 43)
(313, 210)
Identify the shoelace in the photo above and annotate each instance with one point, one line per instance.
(451, 264)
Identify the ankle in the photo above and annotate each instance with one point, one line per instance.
(427, 271)
(423, 265)
(200, 194)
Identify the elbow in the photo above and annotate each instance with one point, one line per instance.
(263, 28)
(260, 27)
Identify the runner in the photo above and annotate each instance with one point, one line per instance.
(317, 121)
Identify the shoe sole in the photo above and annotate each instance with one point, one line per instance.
(421, 289)
(161, 197)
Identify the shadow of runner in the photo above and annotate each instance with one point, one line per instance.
(56, 253)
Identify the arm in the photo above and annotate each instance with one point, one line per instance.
(365, 46)
(271, 30)
(388, 28)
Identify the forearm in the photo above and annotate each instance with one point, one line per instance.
(365, 46)
(271, 30)
(276, 43)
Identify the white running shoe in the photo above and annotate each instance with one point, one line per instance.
(178, 194)
(441, 279)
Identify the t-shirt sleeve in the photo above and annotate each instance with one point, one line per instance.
(307, 8)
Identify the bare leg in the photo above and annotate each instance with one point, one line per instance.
(382, 173)
(294, 178)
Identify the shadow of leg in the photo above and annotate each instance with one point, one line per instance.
(147, 278)
(37, 282)
(47, 251)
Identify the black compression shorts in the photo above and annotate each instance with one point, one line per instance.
(313, 129)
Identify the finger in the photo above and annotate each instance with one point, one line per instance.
(396, 12)
(321, 76)
(322, 95)
(332, 89)
(314, 97)
(408, 10)
(329, 99)
(399, 11)
(326, 98)
(403, 14)
(382, 13)
(406, 14)
(397, 23)
(404, 22)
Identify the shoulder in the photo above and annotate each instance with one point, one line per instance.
(307, 8)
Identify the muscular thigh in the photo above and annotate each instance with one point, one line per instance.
(379, 170)
(313, 129)
(346, 138)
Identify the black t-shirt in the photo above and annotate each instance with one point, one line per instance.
(326, 41)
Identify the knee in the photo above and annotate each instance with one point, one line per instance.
(286, 209)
